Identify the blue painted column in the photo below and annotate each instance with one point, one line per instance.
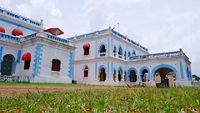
(181, 70)
(1, 53)
(37, 59)
(19, 53)
(112, 71)
(108, 71)
(71, 65)
(96, 71)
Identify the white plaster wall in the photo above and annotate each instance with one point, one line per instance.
(79, 72)
(46, 74)
(29, 47)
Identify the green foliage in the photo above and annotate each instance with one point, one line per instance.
(111, 99)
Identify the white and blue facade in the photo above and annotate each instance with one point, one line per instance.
(123, 57)
(43, 48)
(104, 57)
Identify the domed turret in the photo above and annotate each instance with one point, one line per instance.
(17, 32)
(2, 30)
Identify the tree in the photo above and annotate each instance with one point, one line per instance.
(196, 77)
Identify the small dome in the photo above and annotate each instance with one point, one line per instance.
(86, 45)
(17, 32)
(2, 30)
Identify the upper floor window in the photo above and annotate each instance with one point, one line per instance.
(133, 53)
(102, 50)
(86, 71)
(124, 55)
(27, 60)
(56, 65)
(120, 52)
(114, 51)
(86, 48)
(129, 54)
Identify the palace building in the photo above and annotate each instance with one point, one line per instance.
(104, 57)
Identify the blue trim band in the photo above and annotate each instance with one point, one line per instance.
(37, 59)
(16, 24)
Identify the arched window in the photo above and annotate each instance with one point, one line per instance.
(124, 55)
(26, 57)
(102, 50)
(86, 71)
(120, 52)
(86, 48)
(129, 54)
(133, 53)
(114, 51)
(56, 65)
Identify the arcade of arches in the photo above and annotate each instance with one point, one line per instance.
(133, 77)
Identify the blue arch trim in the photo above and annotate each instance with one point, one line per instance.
(102, 66)
(132, 68)
(164, 66)
(121, 69)
(143, 68)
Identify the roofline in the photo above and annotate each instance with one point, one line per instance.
(104, 31)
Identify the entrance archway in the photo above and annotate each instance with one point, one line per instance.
(7, 64)
(102, 74)
(167, 76)
(145, 76)
(133, 76)
(120, 74)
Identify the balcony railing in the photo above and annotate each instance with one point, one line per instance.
(102, 53)
(158, 55)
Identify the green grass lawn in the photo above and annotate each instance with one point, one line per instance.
(109, 99)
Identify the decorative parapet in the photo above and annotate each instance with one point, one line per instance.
(15, 39)
(158, 55)
(9, 38)
(103, 32)
(19, 17)
(128, 40)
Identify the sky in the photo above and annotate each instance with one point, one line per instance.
(159, 25)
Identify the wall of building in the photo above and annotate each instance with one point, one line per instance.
(46, 55)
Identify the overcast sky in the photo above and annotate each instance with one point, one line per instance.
(159, 25)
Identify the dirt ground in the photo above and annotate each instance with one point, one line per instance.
(10, 91)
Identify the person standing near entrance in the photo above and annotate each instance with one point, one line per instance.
(158, 80)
